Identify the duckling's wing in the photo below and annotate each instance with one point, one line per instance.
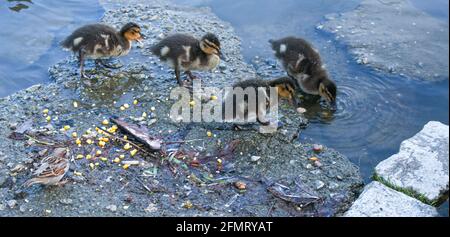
(87, 35)
(172, 46)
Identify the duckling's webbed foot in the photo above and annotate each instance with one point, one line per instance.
(108, 65)
(190, 75)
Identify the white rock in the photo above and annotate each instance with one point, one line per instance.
(255, 158)
(377, 200)
(422, 163)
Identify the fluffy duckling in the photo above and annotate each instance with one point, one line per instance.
(184, 52)
(98, 41)
(302, 62)
(285, 89)
(52, 169)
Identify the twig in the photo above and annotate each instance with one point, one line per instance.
(175, 142)
(38, 141)
(127, 141)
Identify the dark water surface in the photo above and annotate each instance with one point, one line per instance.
(31, 32)
(375, 111)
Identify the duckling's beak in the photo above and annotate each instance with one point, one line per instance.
(221, 56)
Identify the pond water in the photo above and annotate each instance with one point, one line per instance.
(375, 111)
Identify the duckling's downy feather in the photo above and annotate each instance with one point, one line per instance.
(184, 51)
(98, 41)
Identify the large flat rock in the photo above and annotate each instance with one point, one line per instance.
(377, 200)
(394, 36)
(421, 164)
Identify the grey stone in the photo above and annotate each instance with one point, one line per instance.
(422, 163)
(377, 200)
(12, 203)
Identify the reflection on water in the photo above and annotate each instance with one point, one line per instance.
(30, 37)
(19, 6)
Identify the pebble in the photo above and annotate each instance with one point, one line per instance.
(112, 208)
(319, 184)
(66, 201)
(317, 148)
(12, 203)
(255, 158)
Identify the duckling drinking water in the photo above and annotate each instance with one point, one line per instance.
(184, 52)
(98, 41)
(285, 89)
(302, 62)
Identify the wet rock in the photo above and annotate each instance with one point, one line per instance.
(365, 28)
(377, 200)
(422, 164)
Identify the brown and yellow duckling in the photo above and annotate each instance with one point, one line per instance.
(303, 63)
(184, 52)
(285, 88)
(98, 41)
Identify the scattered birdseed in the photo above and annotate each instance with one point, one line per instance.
(116, 160)
(80, 156)
(88, 157)
(98, 152)
(45, 111)
(74, 134)
(127, 146)
(75, 104)
(125, 166)
(209, 133)
(135, 102)
(103, 159)
(126, 106)
(105, 122)
(133, 152)
(152, 108)
(66, 127)
(92, 165)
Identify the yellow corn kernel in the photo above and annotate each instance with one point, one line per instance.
(125, 137)
(133, 152)
(67, 127)
(88, 157)
(92, 165)
(125, 166)
(74, 134)
(78, 141)
(192, 103)
(98, 152)
(103, 159)
(127, 146)
(126, 106)
(135, 102)
(116, 160)
(213, 97)
(105, 122)
(102, 144)
(209, 134)
(48, 118)
(89, 141)
(219, 161)
(122, 156)
(45, 111)
(313, 158)
(80, 156)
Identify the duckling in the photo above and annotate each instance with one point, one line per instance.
(303, 63)
(98, 41)
(184, 52)
(285, 89)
